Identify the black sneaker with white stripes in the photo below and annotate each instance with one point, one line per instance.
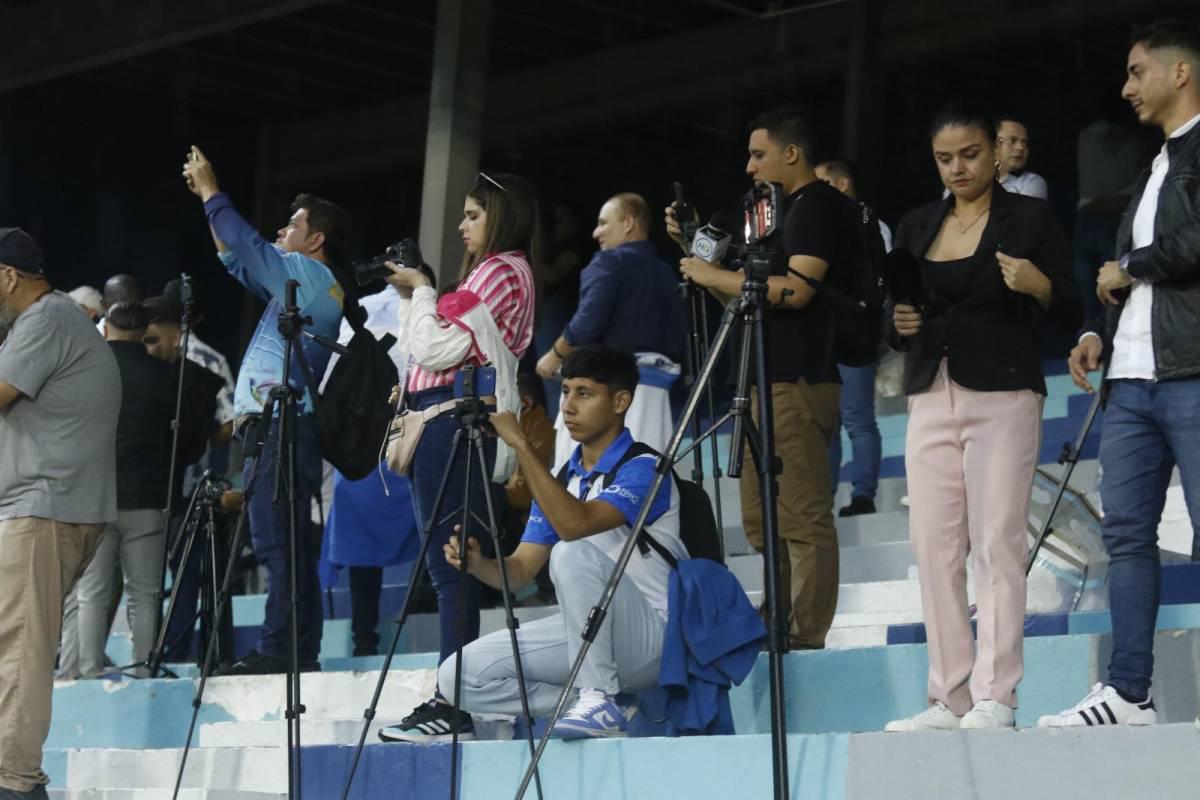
(1102, 706)
(432, 721)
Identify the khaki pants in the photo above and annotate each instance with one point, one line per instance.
(40, 560)
(806, 418)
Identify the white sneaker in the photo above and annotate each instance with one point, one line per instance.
(1102, 706)
(935, 718)
(988, 714)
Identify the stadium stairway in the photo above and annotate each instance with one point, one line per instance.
(121, 740)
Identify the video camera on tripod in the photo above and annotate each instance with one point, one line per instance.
(762, 209)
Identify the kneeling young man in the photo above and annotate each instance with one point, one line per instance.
(580, 529)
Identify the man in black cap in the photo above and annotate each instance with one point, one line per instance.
(60, 394)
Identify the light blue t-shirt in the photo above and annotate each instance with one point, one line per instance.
(265, 270)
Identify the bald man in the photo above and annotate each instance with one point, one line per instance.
(628, 299)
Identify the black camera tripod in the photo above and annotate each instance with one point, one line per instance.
(470, 437)
(746, 314)
(199, 537)
(281, 410)
(154, 661)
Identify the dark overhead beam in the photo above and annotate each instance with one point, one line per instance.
(744, 57)
(62, 37)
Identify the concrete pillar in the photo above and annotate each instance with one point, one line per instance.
(864, 122)
(452, 147)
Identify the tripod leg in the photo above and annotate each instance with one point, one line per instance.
(187, 533)
(510, 618)
(705, 346)
(1069, 460)
(239, 533)
(767, 469)
(461, 623)
(405, 610)
(431, 520)
(598, 613)
(286, 477)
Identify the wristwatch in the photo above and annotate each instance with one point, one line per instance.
(1123, 265)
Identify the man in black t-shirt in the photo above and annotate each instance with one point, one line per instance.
(818, 238)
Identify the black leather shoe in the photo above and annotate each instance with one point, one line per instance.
(858, 505)
(260, 664)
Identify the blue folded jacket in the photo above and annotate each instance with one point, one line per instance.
(712, 640)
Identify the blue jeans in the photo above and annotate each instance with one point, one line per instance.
(1149, 427)
(427, 471)
(269, 537)
(858, 416)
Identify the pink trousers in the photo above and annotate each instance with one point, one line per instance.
(970, 458)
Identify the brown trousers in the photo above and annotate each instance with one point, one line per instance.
(806, 419)
(40, 560)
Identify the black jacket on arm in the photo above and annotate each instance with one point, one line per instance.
(1171, 262)
(987, 333)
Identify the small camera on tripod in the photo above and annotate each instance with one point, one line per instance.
(404, 254)
(473, 382)
(212, 488)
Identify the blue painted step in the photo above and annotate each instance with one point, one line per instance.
(1180, 609)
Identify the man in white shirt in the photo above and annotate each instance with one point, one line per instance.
(1012, 151)
(1150, 339)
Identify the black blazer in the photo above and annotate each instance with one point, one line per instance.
(988, 334)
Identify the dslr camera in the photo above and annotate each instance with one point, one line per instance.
(404, 254)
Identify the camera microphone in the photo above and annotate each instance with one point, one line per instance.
(711, 242)
(902, 276)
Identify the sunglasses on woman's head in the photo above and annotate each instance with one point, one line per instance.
(490, 180)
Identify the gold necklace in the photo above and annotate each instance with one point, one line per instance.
(964, 228)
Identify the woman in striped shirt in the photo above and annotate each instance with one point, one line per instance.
(497, 283)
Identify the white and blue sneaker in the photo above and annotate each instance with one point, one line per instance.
(594, 716)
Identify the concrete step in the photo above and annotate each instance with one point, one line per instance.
(1037, 764)
(273, 733)
(227, 769)
(161, 794)
(833, 690)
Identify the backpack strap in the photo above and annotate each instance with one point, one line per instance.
(646, 542)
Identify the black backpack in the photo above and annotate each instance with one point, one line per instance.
(697, 523)
(353, 413)
(858, 331)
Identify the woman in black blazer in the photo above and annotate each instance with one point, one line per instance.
(991, 264)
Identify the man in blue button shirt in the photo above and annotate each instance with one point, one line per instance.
(309, 249)
(628, 299)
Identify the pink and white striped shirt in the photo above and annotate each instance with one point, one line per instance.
(504, 282)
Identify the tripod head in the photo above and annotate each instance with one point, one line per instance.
(291, 322)
(211, 489)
